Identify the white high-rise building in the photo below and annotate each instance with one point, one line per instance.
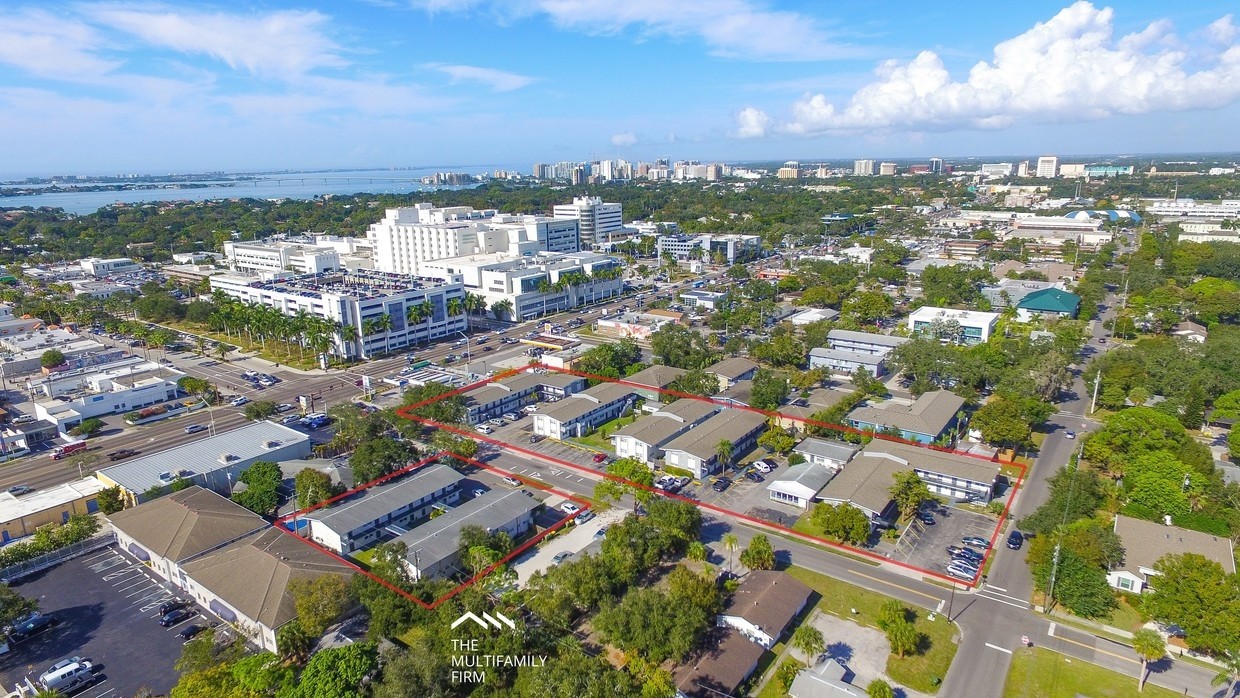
(863, 168)
(1048, 167)
(936, 165)
(407, 237)
(1022, 168)
(996, 169)
(887, 169)
(597, 220)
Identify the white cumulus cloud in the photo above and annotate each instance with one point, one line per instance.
(285, 41)
(730, 28)
(624, 140)
(498, 80)
(751, 123)
(1069, 68)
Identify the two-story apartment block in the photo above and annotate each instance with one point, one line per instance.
(966, 327)
(927, 419)
(580, 413)
(360, 520)
(846, 351)
(650, 382)
(513, 393)
(865, 482)
(433, 547)
(697, 450)
(644, 439)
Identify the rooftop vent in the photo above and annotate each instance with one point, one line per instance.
(271, 443)
(228, 458)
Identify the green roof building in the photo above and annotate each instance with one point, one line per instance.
(1049, 301)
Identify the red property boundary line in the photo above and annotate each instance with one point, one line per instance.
(407, 413)
(279, 524)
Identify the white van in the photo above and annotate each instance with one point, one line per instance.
(67, 675)
(483, 429)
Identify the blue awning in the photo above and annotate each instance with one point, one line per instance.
(138, 552)
(222, 611)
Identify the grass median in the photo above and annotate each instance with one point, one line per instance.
(1042, 673)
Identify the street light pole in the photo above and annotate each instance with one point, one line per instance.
(1093, 403)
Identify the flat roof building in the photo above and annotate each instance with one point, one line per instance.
(213, 463)
(949, 324)
(359, 298)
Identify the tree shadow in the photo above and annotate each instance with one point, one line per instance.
(841, 652)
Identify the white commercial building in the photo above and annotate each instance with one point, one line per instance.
(408, 237)
(1225, 208)
(717, 249)
(996, 169)
(1048, 167)
(21, 352)
(950, 324)
(360, 299)
(97, 268)
(533, 285)
(68, 398)
(280, 257)
(863, 168)
(598, 220)
(1053, 231)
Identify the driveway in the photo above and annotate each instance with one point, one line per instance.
(574, 541)
(862, 649)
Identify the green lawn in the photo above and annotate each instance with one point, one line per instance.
(916, 671)
(772, 689)
(363, 557)
(595, 439)
(1125, 617)
(1042, 673)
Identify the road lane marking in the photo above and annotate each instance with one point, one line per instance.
(1097, 649)
(1051, 630)
(898, 586)
(1001, 649)
(992, 586)
(1024, 606)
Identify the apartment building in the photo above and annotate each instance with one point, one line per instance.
(717, 249)
(512, 393)
(361, 520)
(863, 168)
(580, 413)
(697, 450)
(929, 418)
(846, 351)
(644, 439)
(434, 547)
(359, 299)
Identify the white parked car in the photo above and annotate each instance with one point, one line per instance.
(569, 508)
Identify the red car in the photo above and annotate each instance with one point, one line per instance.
(600, 457)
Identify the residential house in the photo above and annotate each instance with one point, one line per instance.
(356, 522)
(764, 604)
(739, 395)
(645, 438)
(650, 382)
(697, 450)
(725, 662)
(1147, 542)
(826, 679)
(826, 453)
(433, 546)
(865, 482)
(732, 371)
(927, 419)
(1191, 331)
(1048, 303)
(794, 414)
(799, 485)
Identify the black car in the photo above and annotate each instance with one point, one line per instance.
(1015, 540)
(721, 484)
(193, 630)
(753, 476)
(179, 615)
(926, 518)
(171, 605)
(31, 625)
(965, 553)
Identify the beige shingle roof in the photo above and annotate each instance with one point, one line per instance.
(186, 523)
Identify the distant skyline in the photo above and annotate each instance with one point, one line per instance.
(103, 88)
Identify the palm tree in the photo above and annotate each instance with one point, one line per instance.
(200, 344)
(501, 308)
(696, 551)
(1150, 647)
(544, 287)
(428, 313)
(723, 449)
(1229, 663)
(385, 324)
(730, 543)
(809, 641)
(455, 307)
(415, 314)
(370, 327)
(221, 350)
(348, 334)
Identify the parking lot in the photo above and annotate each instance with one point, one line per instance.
(107, 607)
(925, 546)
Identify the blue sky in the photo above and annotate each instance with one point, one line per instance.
(106, 87)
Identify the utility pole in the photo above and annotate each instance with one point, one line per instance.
(1093, 404)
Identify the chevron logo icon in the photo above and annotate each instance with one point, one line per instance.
(499, 620)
